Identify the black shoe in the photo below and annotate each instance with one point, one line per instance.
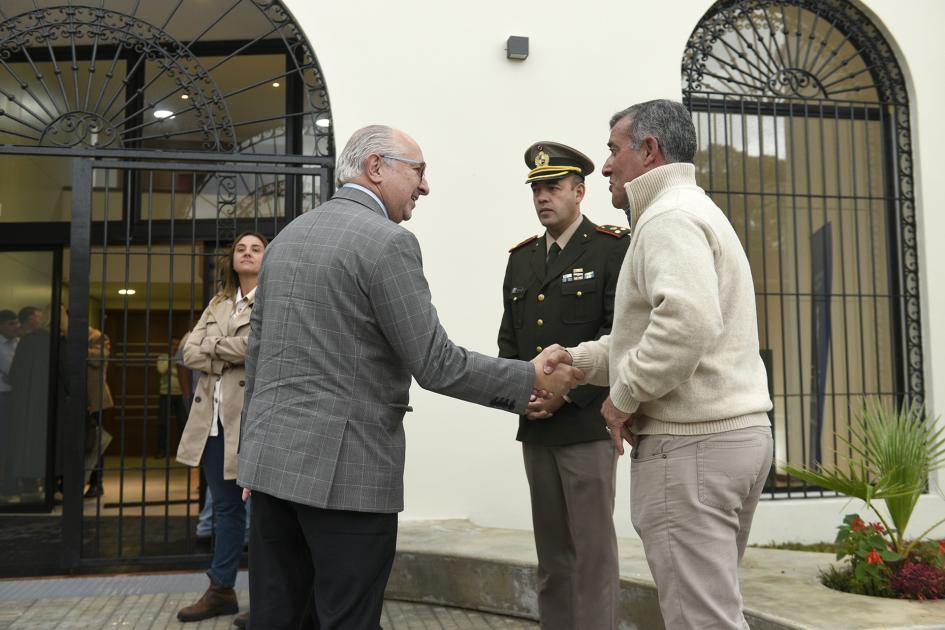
(94, 491)
(242, 620)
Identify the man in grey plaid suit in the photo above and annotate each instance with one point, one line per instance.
(342, 320)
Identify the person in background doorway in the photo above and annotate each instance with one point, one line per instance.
(31, 399)
(30, 318)
(8, 340)
(217, 346)
(99, 399)
(171, 401)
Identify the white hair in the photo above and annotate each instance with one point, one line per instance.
(373, 139)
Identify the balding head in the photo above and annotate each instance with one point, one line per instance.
(387, 162)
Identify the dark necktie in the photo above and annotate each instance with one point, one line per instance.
(553, 252)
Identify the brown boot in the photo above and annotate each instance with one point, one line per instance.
(218, 600)
(242, 620)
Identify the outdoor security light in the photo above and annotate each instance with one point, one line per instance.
(516, 47)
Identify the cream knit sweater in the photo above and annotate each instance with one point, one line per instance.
(683, 351)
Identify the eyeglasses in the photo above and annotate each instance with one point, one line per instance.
(417, 165)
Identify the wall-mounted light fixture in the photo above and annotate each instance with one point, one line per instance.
(126, 291)
(516, 47)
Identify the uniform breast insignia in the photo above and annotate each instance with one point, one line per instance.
(578, 274)
(616, 231)
(528, 240)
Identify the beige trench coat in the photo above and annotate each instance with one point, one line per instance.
(98, 394)
(217, 347)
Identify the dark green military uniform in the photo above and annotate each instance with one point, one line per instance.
(569, 302)
(566, 296)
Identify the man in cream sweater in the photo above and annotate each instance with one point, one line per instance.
(687, 385)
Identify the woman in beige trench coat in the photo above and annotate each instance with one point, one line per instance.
(217, 347)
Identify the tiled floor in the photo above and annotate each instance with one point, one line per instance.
(157, 611)
(149, 602)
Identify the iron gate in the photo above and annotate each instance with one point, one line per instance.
(802, 118)
(145, 237)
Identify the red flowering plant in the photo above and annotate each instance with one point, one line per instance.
(868, 551)
(890, 455)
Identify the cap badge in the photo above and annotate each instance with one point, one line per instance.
(541, 159)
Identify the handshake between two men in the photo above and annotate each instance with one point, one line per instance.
(554, 374)
(555, 377)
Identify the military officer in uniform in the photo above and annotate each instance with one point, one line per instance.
(559, 288)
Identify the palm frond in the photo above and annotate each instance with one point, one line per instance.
(857, 484)
(891, 454)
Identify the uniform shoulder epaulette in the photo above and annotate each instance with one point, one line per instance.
(528, 240)
(616, 231)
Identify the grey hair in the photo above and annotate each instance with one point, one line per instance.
(667, 121)
(374, 139)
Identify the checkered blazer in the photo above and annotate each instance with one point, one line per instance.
(342, 320)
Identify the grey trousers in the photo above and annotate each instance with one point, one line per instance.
(692, 499)
(572, 492)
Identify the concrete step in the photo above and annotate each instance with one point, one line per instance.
(457, 563)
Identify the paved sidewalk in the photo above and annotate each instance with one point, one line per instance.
(151, 602)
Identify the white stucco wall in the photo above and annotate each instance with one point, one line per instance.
(438, 70)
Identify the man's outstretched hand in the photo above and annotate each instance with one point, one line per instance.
(554, 374)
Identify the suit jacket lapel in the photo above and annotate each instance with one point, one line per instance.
(359, 197)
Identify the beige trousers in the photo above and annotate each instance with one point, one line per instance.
(572, 492)
(692, 499)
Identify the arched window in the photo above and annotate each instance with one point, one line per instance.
(804, 140)
(218, 75)
(221, 76)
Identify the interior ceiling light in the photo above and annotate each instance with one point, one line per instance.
(275, 84)
(161, 114)
(184, 97)
(126, 291)
(323, 122)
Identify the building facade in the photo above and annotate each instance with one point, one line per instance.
(138, 140)
(853, 158)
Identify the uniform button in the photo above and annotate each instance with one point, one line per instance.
(197, 399)
(242, 383)
(579, 293)
(537, 348)
(541, 297)
(540, 322)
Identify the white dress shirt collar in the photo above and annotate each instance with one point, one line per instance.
(371, 193)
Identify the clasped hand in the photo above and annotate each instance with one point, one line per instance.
(554, 377)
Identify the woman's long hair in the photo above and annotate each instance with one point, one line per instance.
(228, 278)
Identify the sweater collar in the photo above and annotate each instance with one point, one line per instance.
(643, 191)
